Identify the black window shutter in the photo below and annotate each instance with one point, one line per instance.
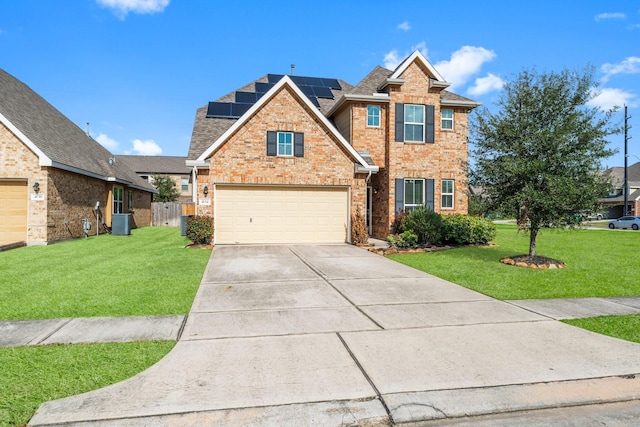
(399, 122)
(298, 144)
(430, 197)
(272, 146)
(399, 195)
(430, 124)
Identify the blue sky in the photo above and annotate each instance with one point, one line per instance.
(137, 70)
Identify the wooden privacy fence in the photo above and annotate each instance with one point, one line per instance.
(168, 214)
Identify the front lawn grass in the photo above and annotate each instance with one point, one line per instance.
(623, 327)
(149, 272)
(600, 263)
(32, 375)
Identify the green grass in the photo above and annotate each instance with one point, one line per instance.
(147, 273)
(623, 327)
(600, 263)
(32, 375)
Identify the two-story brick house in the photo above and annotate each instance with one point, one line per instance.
(290, 158)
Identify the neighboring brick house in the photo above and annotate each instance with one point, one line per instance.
(173, 167)
(52, 174)
(613, 204)
(290, 158)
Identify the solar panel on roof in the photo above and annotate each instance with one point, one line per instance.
(239, 109)
(219, 109)
(314, 81)
(314, 101)
(274, 78)
(307, 90)
(246, 97)
(323, 92)
(331, 83)
(263, 87)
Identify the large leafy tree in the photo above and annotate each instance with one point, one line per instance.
(539, 156)
(167, 191)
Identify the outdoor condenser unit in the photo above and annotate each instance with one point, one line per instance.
(121, 224)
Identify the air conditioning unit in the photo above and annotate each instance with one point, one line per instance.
(121, 224)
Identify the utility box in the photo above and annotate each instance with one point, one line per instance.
(121, 224)
(183, 224)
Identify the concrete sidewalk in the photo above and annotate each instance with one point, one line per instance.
(335, 335)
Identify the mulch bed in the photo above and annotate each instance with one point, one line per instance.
(536, 262)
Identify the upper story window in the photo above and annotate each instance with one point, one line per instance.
(118, 200)
(184, 184)
(447, 194)
(446, 116)
(373, 115)
(130, 200)
(285, 143)
(414, 123)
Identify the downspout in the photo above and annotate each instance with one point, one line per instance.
(194, 187)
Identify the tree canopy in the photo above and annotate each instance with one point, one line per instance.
(539, 156)
(167, 191)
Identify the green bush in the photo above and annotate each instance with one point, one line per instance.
(200, 229)
(426, 223)
(406, 239)
(396, 225)
(468, 230)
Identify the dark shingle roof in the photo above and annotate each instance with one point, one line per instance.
(65, 144)
(369, 85)
(206, 130)
(150, 165)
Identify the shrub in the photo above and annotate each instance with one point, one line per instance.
(406, 239)
(359, 232)
(200, 229)
(426, 224)
(468, 230)
(396, 225)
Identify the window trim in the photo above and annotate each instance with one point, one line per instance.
(117, 201)
(411, 206)
(447, 194)
(375, 117)
(447, 119)
(290, 143)
(423, 123)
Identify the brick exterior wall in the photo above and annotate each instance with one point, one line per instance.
(444, 159)
(242, 159)
(68, 197)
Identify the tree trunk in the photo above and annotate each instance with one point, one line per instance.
(533, 236)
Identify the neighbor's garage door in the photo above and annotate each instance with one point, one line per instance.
(13, 212)
(280, 214)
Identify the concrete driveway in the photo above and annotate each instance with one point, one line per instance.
(336, 335)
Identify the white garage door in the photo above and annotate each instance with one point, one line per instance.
(255, 214)
(13, 212)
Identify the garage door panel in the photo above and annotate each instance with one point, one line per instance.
(280, 214)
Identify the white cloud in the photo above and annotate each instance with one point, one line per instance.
(486, 84)
(614, 15)
(106, 142)
(392, 59)
(610, 97)
(404, 26)
(630, 65)
(122, 7)
(464, 63)
(146, 148)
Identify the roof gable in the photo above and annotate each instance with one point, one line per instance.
(55, 139)
(287, 82)
(416, 56)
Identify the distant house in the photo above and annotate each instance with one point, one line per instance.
(53, 175)
(614, 202)
(291, 158)
(173, 167)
